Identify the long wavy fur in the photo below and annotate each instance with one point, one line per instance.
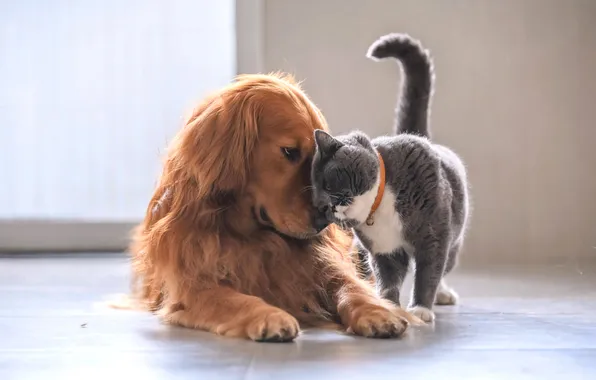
(192, 238)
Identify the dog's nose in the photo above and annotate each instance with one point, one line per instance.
(321, 222)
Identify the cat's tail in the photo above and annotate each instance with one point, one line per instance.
(413, 107)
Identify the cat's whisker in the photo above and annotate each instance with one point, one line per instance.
(307, 188)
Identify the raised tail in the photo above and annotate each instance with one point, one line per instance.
(413, 107)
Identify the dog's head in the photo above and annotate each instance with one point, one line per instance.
(254, 140)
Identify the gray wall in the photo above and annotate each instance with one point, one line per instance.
(516, 85)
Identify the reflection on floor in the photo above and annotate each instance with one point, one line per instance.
(521, 324)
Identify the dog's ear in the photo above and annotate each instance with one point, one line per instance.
(216, 143)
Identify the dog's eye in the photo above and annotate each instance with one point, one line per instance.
(292, 154)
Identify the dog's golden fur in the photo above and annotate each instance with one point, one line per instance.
(205, 257)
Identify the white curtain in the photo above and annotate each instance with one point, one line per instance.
(91, 92)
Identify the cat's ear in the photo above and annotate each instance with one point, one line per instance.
(326, 143)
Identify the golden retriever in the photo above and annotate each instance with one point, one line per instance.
(231, 243)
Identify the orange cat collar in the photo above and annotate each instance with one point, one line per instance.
(370, 221)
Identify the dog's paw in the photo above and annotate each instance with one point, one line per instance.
(446, 296)
(423, 313)
(377, 322)
(176, 315)
(273, 326)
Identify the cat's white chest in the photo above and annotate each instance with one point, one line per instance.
(386, 233)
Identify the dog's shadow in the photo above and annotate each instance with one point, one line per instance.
(312, 346)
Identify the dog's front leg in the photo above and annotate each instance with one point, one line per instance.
(227, 312)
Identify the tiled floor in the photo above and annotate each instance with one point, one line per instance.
(536, 323)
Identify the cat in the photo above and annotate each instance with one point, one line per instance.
(404, 196)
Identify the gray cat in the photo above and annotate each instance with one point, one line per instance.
(405, 197)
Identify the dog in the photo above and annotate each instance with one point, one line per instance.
(231, 242)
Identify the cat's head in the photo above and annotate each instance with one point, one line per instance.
(345, 177)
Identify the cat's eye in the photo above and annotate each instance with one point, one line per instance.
(291, 154)
(344, 199)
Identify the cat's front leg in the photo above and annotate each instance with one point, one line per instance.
(430, 264)
(390, 271)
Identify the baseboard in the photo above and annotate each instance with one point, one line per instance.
(75, 236)
(51, 236)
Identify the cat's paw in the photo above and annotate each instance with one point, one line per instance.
(423, 313)
(446, 296)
